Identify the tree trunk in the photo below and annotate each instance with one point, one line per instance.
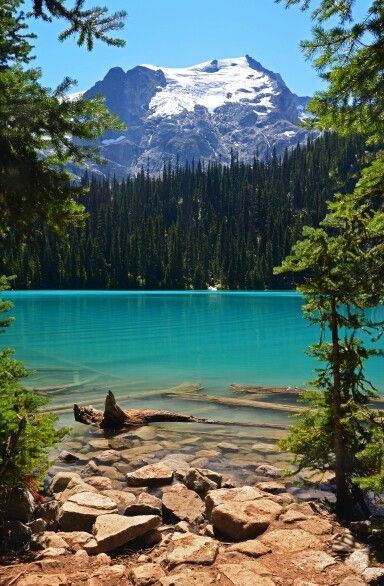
(343, 497)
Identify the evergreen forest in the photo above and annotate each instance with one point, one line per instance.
(193, 226)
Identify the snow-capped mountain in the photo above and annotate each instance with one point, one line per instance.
(201, 112)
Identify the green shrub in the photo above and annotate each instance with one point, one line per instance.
(26, 432)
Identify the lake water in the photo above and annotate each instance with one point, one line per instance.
(83, 343)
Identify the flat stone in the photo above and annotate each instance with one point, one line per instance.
(99, 444)
(144, 433)
(225, 495)
(314, 560)
(228, 447)
(374, 575)
(358, 560)
(245, 520)
(187, 548)
(190, 577)
(208, 454)
(53, 552)
(81, 510)
(253, 548)
(113, 531)
(152, 474)
(316, 526)
(101, 483)
(268, 470)
(122, 498)
(290, 540)
(353, 581)
(109, 576)
(43, 580)
(75, 486)
(107, 457)
(146, 574)
(293, 516)
(144, 504)
(246, 573)
(272, 486)
(183, 503)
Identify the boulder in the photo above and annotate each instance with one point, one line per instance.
(152, 474)
(246, 519)
(225, 495)
(113, 531)
(81, 510)
(187, 548)
(146, 574)
(61, 480)
(182, 503)
(144, 504)
(189, 577)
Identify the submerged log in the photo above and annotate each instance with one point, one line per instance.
(260, 389)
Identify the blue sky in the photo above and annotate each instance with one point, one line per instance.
(179, 33)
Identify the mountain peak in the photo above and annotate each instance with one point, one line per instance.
(203, 111)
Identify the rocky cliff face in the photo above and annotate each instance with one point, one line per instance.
(201, 112)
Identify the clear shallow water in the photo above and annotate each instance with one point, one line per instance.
(83, 343)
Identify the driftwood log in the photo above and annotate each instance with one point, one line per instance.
(114, 417)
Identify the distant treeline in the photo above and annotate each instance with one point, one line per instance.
(193, 226)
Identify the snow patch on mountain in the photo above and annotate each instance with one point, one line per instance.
(211, 84)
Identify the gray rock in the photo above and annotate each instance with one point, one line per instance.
(68, 457)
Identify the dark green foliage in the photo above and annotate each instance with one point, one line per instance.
(37, 127)
(192, 226)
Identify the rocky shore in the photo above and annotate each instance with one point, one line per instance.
(171, 522)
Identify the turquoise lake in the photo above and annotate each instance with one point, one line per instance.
(82, 343)
(176, 351)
